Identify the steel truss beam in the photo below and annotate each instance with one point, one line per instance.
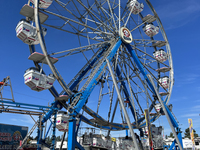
(172, 121)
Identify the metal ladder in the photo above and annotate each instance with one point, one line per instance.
(27, 136)
(174, 116)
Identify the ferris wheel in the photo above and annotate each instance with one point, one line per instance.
(113, 46)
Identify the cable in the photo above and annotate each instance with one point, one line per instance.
(27, 95)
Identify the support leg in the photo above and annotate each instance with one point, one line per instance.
(72, 134)
(122, 105)
(54, 132)
(63, 138)
(39, 134)
(170, 120)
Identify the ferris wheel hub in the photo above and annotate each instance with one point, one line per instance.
(126, 35)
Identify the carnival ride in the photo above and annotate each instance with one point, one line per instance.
(127, 65)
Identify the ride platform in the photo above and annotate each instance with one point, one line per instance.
(40, 58)
(28, 11)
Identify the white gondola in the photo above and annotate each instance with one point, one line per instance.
(164, 81)
(38, 81)
(43, 3)
(135, 6)
(62, 121)
(87, 139)
(160, 55)
(27, 32)
(157, 138)
(108, 143)
(126, 144)
(98, 142)
(145, 131)
(158, 107)
(150, 30)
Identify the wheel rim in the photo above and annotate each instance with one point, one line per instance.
(105, 34)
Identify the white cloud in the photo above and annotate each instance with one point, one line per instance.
(177, 14)
(190, 115)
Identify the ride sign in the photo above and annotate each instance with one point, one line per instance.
(126, 35)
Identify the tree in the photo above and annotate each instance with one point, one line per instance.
(187, 133)
(171, 135)
(58, 138)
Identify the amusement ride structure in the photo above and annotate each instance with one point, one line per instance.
(124, 64)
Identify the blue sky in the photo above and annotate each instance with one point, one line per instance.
(180, 19)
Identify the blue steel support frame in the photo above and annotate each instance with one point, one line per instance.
(94, 81)
(80, 119)
(71, 134)
(54, 131)
(84, 97)
(39, 135)
(76, 82)
(76, 133)
(142, 70)
(48, 130)
(125, 91)
(126, 94)
(52, 90)
(172, 146)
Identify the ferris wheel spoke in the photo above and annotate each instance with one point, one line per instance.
(112, 16)
(92, 14)
(111, 100)
(76, 22)
(104, 11)
(64, 6)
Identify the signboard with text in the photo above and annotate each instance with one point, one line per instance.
(11, 135)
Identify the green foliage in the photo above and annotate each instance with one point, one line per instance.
(58, 138)
(187, 133)
(171, 135)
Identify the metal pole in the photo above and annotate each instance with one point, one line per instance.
(122, 105)
(54, 131)
(63, 138)
(11, 89)
(71, 134)
(39, 134)
(113, 116)
(165, 111)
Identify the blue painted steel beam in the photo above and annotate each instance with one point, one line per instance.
(180, 137)
(76, 82)
(71, 134)
(79, 145)
(24, 105)
(125, 91)
(172, 147)
(52, 90)
(55, 105)
(140, 66)
(174, 122)
(80, 119)
(142, 70)
(103, 127)
(93, 113)
(48, 130)
(54, 131)
(39, 136)
(95, 80)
